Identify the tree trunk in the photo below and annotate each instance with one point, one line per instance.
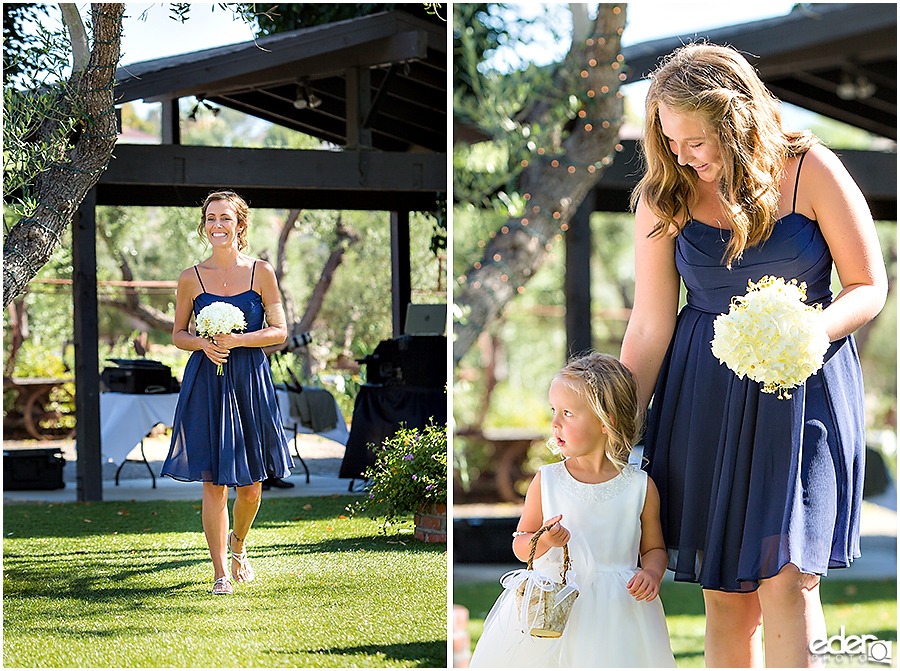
(555, 185)
(60, 190)
(287, 300)
(346, 237)
(18, 332)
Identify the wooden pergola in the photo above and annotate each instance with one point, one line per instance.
(374, 87)
(804, 58)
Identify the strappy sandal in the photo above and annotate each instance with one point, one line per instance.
(240, 558)
(222, 586)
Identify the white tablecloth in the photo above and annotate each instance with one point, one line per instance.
(125, 419)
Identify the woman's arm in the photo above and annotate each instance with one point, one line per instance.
(652, 320)
(273, 334)
(840, 209)
(184, 309)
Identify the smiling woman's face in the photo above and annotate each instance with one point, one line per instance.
(692, 142)
(221, 223)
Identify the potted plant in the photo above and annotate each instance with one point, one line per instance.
(410, 476)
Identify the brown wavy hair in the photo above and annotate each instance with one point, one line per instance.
(718, 84)
(610, 390)
(241, 209)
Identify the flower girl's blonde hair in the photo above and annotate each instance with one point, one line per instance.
(610, 390)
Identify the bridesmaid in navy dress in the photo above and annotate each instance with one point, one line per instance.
(759, 496)
(228, 430)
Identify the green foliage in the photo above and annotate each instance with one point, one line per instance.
(35, 92)
(126, 584)
(496, 106)
(28, 53)
(410, 472)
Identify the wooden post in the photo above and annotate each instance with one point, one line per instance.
(87, 365)
(359, 100)
(579, 338)
(171, 122)
(401, 274)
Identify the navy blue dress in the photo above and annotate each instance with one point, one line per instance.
(749, 482)
(228, 428)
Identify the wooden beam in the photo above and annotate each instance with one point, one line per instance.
(367, 173)
(379, 97)
(89, 472)
(875, 172)
(401, 276)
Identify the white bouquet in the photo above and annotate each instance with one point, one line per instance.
(771, 336)
(220, 317)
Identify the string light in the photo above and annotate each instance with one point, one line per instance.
(571, 168)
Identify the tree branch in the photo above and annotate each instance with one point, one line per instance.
(60, 190)
(77, 36)
(554, 192)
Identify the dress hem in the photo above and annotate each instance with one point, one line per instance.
(178, 479)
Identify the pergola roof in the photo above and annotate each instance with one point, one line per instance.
(382, 82)
(405, 55)
(806, 55)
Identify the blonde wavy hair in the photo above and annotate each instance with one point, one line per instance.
(722, 88)
(241, 209)
(610, 390)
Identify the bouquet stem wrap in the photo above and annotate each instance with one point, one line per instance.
(771, 336)
(542, 604)
(220, 317)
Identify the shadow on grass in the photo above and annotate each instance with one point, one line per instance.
(428, 654)
(101, 518)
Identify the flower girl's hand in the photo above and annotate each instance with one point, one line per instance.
(557, 535)
(644, 585)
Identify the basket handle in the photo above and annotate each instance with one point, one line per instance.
(567, 564)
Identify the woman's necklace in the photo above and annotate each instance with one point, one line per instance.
(225, 280)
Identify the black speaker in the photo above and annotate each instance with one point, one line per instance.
(33, 468)
(138, 376)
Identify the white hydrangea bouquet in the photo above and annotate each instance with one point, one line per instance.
(220, 317)
(771, 336)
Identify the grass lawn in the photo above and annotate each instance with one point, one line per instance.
(863, 607)
(115, 584)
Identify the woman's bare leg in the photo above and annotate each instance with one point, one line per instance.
(246, 505)
(733, 629)
(214, 513)
(792, 618)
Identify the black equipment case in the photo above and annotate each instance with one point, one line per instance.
(138, 376)
(33, 468)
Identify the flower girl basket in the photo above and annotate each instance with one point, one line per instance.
(544, 605)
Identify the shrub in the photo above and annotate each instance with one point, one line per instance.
(410, 472)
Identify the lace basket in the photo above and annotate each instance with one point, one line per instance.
(544, 605)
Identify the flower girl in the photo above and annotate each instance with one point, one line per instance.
(601, 513)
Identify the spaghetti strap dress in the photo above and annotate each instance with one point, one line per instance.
(228, 428)
(750, 482)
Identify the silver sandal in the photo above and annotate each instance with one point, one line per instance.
(222, 586)
(241, 558)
